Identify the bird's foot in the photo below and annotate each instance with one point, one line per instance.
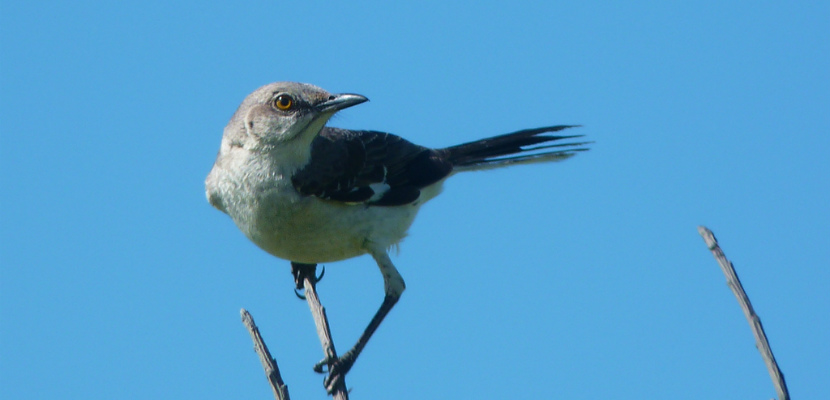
(300, 272)
(337, 368)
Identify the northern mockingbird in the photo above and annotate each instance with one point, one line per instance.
(310, 194)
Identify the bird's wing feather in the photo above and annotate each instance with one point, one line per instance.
(369, 167)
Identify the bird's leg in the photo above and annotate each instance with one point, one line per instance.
(393, 287)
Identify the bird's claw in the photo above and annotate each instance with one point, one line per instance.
(299, 295)
(299, 278)
(337, 369)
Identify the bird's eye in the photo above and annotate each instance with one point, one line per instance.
(284, 102)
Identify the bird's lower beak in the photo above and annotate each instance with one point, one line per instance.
(338, 102)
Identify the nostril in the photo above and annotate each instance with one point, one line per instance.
(331, 97)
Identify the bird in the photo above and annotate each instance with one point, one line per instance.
(309, 194)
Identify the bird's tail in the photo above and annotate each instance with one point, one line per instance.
(522, 147)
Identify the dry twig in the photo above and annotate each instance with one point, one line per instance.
(306, 278)
(272, 371)
(761, 341)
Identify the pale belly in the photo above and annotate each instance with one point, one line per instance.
(311, 230)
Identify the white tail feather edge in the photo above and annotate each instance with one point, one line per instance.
(532, 159)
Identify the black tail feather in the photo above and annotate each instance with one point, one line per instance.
(494, 150)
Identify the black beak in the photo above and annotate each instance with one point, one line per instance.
(338, 102)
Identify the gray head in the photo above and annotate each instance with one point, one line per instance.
(281, 112)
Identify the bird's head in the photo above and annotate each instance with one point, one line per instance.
(284, 112)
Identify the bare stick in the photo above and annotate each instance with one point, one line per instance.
(307, 274)
(272, 371)
(761, 341)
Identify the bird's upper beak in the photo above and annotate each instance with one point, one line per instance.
(340, 101)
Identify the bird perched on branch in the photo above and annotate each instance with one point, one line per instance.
(310, 194)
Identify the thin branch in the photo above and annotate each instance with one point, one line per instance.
(306, 273)
(761, 341)
(272, 371)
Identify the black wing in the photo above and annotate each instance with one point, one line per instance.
(369, 167)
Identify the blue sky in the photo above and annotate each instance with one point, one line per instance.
(583, 279)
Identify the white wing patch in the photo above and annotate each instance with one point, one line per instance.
(379, 188)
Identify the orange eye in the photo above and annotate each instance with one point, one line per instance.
(284, 102)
